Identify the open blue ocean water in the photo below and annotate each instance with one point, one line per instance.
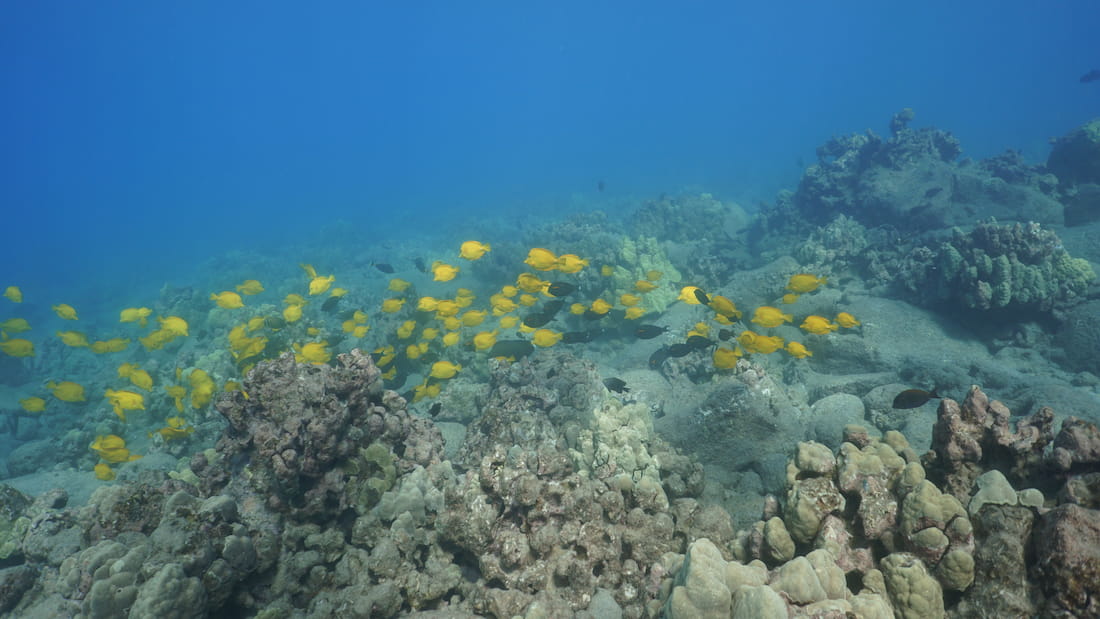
(157, 157)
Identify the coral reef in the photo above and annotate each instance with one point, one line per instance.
(1014, 266)
(1075, 157)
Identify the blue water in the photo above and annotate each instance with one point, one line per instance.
(140, 138)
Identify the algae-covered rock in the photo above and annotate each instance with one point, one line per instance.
(1075, 157)
(915, 594)
(170, 594)
(757, 602)
(701, 590)
(637, 257)
(993, 488)
(13, 520)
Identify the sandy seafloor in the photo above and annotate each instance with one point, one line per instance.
(1022, 354)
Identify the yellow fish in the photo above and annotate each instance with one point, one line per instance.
(76, 339)
(607, 270)
(427, 304)
(724, 306)
(767, 316)
(545, 338)
(398, 285)
(502, 304)
(13, 294)
(406, 329)
(391, 306)
(444, 369)
(33, 404)
(446, 308)
(473, 318)
(798, 351)
(139, 315)
(173, 324)
(294, 299)
(754, 342)
(847, 320)
(687, 295)
(66, 391)
(541, 259)
(725, 358)
(527, 300)
(255, 323)
(653, 275)
(818, 325)
(122, 401)
(15, 325)
(643, 286)
(65, 311)
(17, 347)
(509, 291)
(577, 309)
(103, 472)
(112, 449)
(443, 272)
(137, 376)
(202, 388)
(250, 287)
(571, 263)
(531, 283)
(413, 351)
(157, 339)
(509, 322)
(115, 344)
(789, 298)
(473, 250)
(292, 313)
(485, 340)
(359, 317)
(429, 333)
(177, 393)
(634, 313)
(360, 330)
(320, 284)
(338, 292)
(451, 323)
(601, 307)
(629, 300)
(804, 282)
(227, 299)
(312, 352)
(177, 428)
(451, 338)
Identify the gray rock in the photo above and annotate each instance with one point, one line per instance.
(832, 413)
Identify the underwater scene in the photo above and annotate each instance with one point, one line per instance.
(578, 311)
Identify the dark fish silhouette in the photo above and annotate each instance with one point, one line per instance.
(1091, 76)
(579, 337)
(600, 186)
(511, 348)
(560, 289)
(648, 332)
(679, 350)
(657, 359)
(698, 342)
(383, 266)
(274, 322)
(702, 296)
(537, 320)
(420, 266)
(330, 304)
(552, 307)
(434, 410)
(933, 192)
(912, 398)
(617, 385)
(725, 334)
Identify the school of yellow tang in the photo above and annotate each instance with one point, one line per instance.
(426, 336)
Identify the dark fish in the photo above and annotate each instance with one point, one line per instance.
(679, 350)
(420, 266)
(933, 192)
(912, 398)
(537, 320)
(648, 332)
(617, 385)
(383, 266)
(600, 186)
(511, 348)
(702, 296)
(330, 304)
(698, 342)
(580, 337)
(725, 334)
(657, 359)
(434, 410)
(560, 289)
(1091, 76)
(552, 307)
(274, 322)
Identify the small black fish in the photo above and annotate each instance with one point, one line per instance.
(560, 289)
(617, 385)
(420, 266)
(552, 307)
(698, 342)
(702, 296)
(511, 348)
(657, 359)
(330, 304)
(434, 410)
(537, 320)
(679, 350)
(912, 398)
(933, 192)
(274, 322)
(1091, 76)
(648, 332)
(725, 334)
(383, 266)
(600, 186)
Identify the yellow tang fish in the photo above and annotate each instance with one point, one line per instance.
(173, 324)
(361, 330)
(115, 344)
(509, 322)
(509, 291)
(227, 299)
(629, 300)
(312, 352)
(406, 329)
(391, 306)
(15, 325)
(473, 250)
(76, 339)
(122, 401)
(577, 309)
(847, 320)
(320, 284)
(653, 275)
(767, 316)
(398, 285)
(103, 472)
(65, 311)
(473, 318)
(789, 298)
(571, 263)
(485, 340)
(17, 347)
(688, 294)
(292, 313)
(338, 292)
(643, 286)
(634, 313)
(798, 351)
(250, 287)
(429, 333)
(177, 393)
(33, 404)
(451, 338)
(804, 282)
(607, 270)
(545, 338)
(139, 315)
(444, 369)
(66, 391)
(599, 306)
(531, 283)
(725, 358)
(294, 299)
(13, 294)
(818, 325)
(541, 259)
(446, 308)
(443, 272)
